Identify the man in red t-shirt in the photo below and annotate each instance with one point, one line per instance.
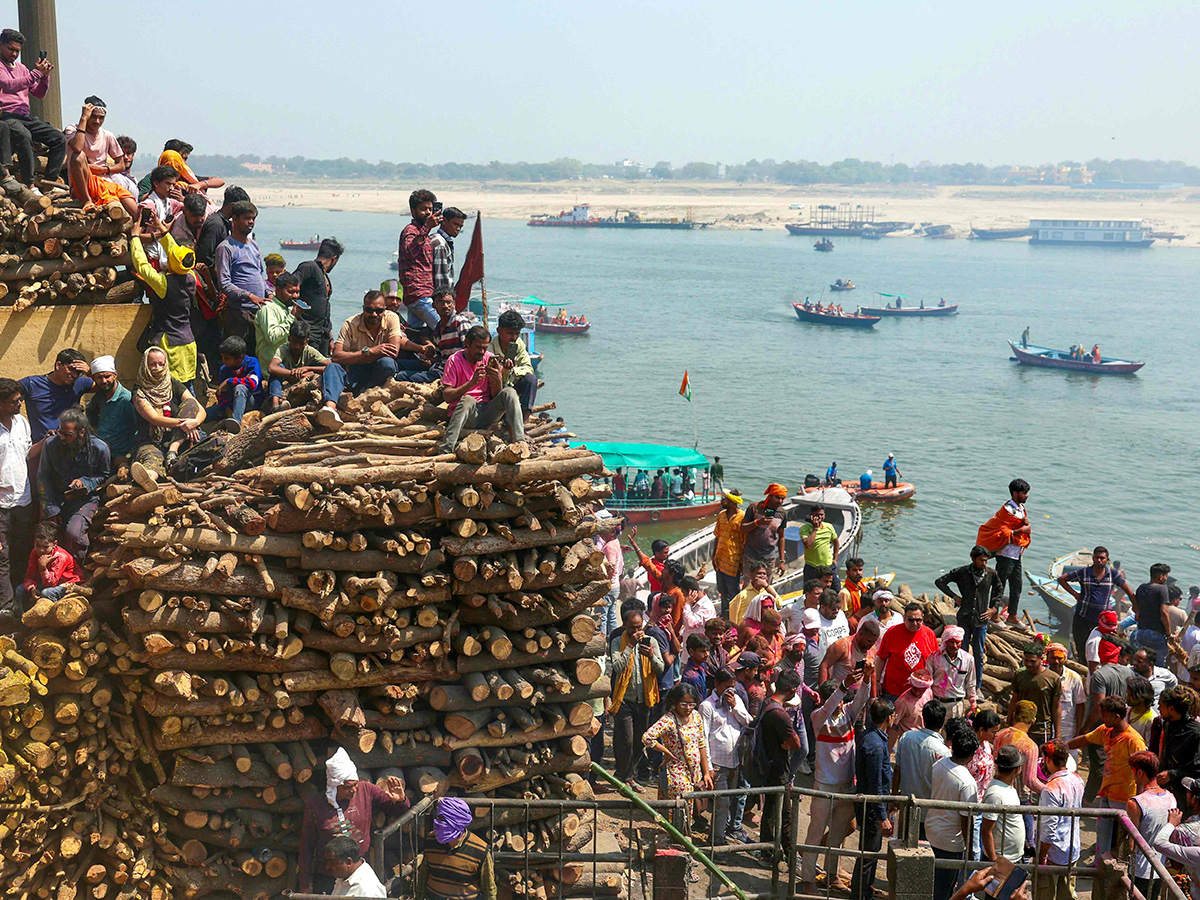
(904, 650)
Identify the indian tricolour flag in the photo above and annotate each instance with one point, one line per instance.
(685, 389)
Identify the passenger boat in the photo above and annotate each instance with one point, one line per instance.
(825, 245)
(841, 511)
(651, 458)
(912, 312)
(1061, 603)
(855, 320)
(840, 285)
(878, 493)
(1047, 358)
(548, 326)
(313, 243)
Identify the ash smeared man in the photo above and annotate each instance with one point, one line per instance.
(459, 865)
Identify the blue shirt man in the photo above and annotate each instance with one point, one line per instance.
(831, 475)
(241, 273)
(864, 482)
(890, 470)
(47, 396)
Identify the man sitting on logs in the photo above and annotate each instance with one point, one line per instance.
(74, 464)
(473, 388)
(85, 184)
(104, 154)
(110, 411)
(23, 128)
(364, 355)
(172, 293)
(451, 333)
(295, 359)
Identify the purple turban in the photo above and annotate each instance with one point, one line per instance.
(452, 820)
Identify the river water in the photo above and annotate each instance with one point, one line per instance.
(1111, 460)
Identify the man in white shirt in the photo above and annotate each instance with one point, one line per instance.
(1145, 663)
(354, 878)
(916, 752)
(1008, 557)
(834, 625)
(16, 499)
(948, 830)
(1107, 627)
(833, 725)
(1003, 834)
(725, 717)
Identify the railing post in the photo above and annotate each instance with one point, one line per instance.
(793, 840)
(912, 822)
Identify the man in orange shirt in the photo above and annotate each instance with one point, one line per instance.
(1120, 742)
(728, 544)
(652, 564)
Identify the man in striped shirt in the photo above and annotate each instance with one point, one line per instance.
(451, 332)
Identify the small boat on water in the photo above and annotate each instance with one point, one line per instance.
(841, 285)
(870, 234)
(824, 245)
(999, 234)
(940, 232)
(899, 310)
(313, 243)
(1048, 358)
(824, 317)
(549, 326)
(878, 493)
(841, 511)
(1061, 604)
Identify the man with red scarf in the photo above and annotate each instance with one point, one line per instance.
(1006, 535)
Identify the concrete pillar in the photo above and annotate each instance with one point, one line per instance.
(38, 22)
(670, 872)
(1109, 883)
(910, 871)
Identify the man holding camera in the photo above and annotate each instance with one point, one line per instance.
(17, 82)
(416, 258)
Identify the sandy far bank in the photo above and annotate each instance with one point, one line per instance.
(730, 205)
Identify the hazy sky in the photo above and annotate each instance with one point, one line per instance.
(474, 81)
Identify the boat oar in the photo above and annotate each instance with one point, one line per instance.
(670, 829)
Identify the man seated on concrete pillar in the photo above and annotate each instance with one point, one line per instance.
(364, 355)
(473, 388)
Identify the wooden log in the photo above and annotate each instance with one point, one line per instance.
(255, 660)
(210, 539)
(541, 469)
(556, 607)
(160, 706)
(370, 561)
(308, 729)
(251, 621)
(254, 441)
(62, 266)
(593, 648)
(524, 537)
(244, 581)
(324, 680)
(516, 738)
(453, 697)
(496, 778)
(406, 756)
(221, 774)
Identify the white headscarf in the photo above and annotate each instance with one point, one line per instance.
(754, 609)
(338, 770)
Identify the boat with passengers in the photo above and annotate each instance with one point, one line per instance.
(1079, 360)
(832, 315)
(637, 502)
(899, 311)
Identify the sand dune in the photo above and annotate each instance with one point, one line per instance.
(766, 206)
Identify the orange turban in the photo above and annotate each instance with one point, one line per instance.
(1056, 651)
(775, 490)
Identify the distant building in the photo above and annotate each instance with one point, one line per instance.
(1097, 232)
(1047, 174)
(629, 164)
(259, 168)
(1110, 185)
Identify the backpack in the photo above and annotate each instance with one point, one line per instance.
(751, 750)
(812, 481)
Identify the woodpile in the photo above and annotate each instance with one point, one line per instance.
(430, 613)
(56, 251)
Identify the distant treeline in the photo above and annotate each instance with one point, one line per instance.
(846, 171)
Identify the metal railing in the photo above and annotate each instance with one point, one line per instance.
(396, 846)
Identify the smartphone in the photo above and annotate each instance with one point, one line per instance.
(147, 215)
(646, 641)
(170, 219)
(860, 665)
(1008, 878)
(437, 207)
(42, 55)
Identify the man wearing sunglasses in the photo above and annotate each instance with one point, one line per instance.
(364, 355)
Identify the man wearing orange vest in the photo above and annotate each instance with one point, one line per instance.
(1006, 535)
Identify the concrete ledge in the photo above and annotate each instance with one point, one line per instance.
(30, 340)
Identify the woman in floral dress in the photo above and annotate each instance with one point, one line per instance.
(982, 765)
(679, 735)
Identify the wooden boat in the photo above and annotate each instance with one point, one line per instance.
(546, 326)
(999, 234)
(914, 312)
(1047, 358)
(1061, 604)
(313, 243)
(843, 286)
(825, 245)
(841, 511)
(870, 234)
(823, 318)
(651, 457)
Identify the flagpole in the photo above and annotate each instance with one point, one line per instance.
(482, 280)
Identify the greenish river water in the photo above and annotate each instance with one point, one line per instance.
(1110, 459)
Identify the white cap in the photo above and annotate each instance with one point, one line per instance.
(103, 364)
(812, 619)
(868, 471)
(891, 456)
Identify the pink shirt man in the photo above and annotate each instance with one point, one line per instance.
(458, 372)
(16, 84)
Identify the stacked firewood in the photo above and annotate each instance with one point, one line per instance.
(55, 251)
(431, 613)
(72, 825)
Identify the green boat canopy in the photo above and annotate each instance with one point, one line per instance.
(534, 301)
(882, 294)
(644, 456)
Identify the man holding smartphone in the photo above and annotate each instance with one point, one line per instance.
(23, 129)
(416, 258)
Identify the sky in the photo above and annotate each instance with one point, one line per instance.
(469, 81)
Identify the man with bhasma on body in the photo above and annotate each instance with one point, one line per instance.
(459, 865)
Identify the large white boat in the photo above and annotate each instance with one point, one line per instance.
(1090, 232)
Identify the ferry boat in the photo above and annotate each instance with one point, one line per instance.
(637, 508)
(313, 243)
(581, 216)
(1128, 233)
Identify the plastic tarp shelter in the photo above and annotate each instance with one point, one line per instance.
(644, 456)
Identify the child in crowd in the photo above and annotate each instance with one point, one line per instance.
(275, 264)
(294, 360)
(51, 568)
(239, 382)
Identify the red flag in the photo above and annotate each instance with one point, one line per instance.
(472, 267)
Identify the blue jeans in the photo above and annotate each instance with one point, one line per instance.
(421, 312)
(336, 378)
(610, 619)
(23, 598)
(243, 400)
(1009, 571)
(1104, 825)
(416, 371)
(526, 388)
(1152, 640)
(975, 638)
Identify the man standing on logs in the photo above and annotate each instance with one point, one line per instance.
(73, 466)
(473, 388)
(415, 259)
(16, 84)
(241, 275)
(16, 498)
(364, 355)
(315, 290)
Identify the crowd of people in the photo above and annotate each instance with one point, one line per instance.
(849, 687)
(668, 485)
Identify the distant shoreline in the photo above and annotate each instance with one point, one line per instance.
(743, 206)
